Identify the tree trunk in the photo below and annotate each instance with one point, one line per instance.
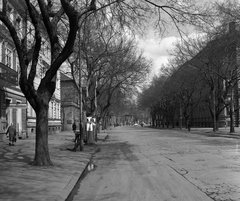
(217, 129)
(180, 118)
(152, 119)
(63, 119)
(232, 130)
(214, 111)
(42, 157)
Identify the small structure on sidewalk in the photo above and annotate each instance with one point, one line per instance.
(90, 130)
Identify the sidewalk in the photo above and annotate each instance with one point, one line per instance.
(222, 132)
(23, 182)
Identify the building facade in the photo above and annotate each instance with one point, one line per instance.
(12, 101)
(69, 103)
(227, 68)
(14, 107)
(54, 111)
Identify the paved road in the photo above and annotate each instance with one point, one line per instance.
(164, 165)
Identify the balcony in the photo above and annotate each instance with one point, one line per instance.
(8, 76)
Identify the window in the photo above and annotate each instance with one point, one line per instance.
(18, 70)
(51, 110)
(29, 111)
(19, 117)
(59, 113)
(33, 113)
(8, 111)
(8, 57)
(8, 101)
(54, 110)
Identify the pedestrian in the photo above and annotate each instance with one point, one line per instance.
(12, 134)
(74, 127)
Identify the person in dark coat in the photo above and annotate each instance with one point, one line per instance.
(74, 127)
(12, 134)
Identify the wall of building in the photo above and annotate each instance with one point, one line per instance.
(54, 112)
(69, 103)
(19, 109)
(12, 101)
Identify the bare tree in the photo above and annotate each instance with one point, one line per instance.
(48, 18)
(45, 18)
(216, 64)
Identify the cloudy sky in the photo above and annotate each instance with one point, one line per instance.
(157, 49)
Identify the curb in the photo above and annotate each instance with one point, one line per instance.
(106, 137)
(76, 178)
(207, 132)
(215, 134)
(71, 184)
(67, 192)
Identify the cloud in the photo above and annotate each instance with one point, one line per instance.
(159, 62)
(157, 50)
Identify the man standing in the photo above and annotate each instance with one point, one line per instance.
(74, 127)
(12, 134)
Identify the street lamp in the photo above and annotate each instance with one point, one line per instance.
(96, 113)
(80, 93)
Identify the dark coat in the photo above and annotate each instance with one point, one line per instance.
(12, 133)
(74, 127)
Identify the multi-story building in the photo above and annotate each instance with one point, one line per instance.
(12, 101)
(225, 63)
(14, 107)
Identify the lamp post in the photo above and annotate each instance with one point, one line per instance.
(96, 113)
(80, 93)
